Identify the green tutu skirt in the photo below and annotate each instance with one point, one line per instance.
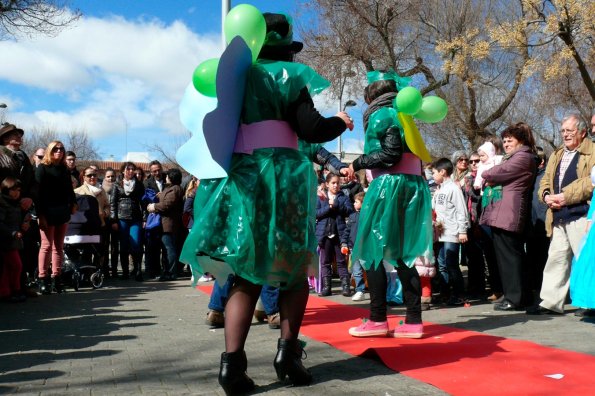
(395, 222)
(258, 223)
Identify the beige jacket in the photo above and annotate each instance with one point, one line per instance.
(576, 192)
(102, 199)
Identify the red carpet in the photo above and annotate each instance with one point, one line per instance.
(457, 361)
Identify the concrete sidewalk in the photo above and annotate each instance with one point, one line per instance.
(149, 338)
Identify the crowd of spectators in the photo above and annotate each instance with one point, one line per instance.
(510, 215)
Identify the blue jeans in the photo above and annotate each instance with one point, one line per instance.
(169, 240)
(269, 296)
(130, 237)
(448, 265)
(219, 295)
(358, 274)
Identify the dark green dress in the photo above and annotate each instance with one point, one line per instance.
(396, 216)
(259, 221)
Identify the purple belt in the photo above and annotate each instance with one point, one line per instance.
(265, 134)
(409, 164)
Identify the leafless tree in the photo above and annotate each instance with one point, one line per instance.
(167, 156)
(77, 141)
(445, 45)
(30, 17)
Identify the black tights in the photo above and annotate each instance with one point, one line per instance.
(240, 308)
(377, 283)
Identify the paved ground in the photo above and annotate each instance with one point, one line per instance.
(149, 338)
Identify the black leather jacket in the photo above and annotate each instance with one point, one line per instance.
(127, 207)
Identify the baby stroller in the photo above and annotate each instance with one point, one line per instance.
(82, 252)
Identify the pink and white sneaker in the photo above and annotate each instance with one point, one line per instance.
(408, 331)
(370, 329)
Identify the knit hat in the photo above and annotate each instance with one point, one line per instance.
(488, 148)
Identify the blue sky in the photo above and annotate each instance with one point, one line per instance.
(119, 72)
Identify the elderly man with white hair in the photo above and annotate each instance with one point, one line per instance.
(565, 188)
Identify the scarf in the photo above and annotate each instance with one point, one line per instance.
(94, 190)
(129, 185)
(384, 100)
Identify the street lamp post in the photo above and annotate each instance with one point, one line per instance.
(3, 106)
(342, 107)
(349, 103)
(225, 7)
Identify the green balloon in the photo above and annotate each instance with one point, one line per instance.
(408, 100)
(204, 78)
(433, 109)
(246, 21)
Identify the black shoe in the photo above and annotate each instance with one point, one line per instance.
(45, 286)
(232, 373)
(345, 287)
(585, 313)
(288, 362)
(326, 287)
(505, 306)
(57, 284)
(539, 310)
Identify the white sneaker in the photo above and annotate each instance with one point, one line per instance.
(358, 296)
(205, 278)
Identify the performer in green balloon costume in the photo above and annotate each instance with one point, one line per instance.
(258, 223)
(395, 225)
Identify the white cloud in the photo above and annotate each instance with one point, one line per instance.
(351, 145)
(106, 75)
(137, 156)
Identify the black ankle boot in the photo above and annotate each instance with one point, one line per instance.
(326, 287)
(45, 285)
(57, 284)
(232, 373)
(345, 286)
(288, 362)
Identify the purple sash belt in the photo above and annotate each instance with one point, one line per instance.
(265, 134)
(409, 164)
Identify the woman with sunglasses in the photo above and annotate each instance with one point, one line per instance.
(55, 203)
(90, 186)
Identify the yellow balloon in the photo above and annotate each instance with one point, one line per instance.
(413, 138)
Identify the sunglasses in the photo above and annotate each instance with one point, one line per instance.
(39, 156)
(91, 175)
(474, 161)
(58, 149)
(463, 160)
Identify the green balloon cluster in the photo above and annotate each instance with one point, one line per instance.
(430, 109)
(246, 21)
(205, 77)
(408, 100)
(243, 20)
(433, 109)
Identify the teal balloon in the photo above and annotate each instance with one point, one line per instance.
(204, 78)
(433, 109)
(246, 21)
(408, 100)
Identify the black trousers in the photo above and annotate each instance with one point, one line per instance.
(511, 257)
(377, 284)
(476, 273)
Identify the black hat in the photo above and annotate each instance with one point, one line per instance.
(8, 128)
(279, 37)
